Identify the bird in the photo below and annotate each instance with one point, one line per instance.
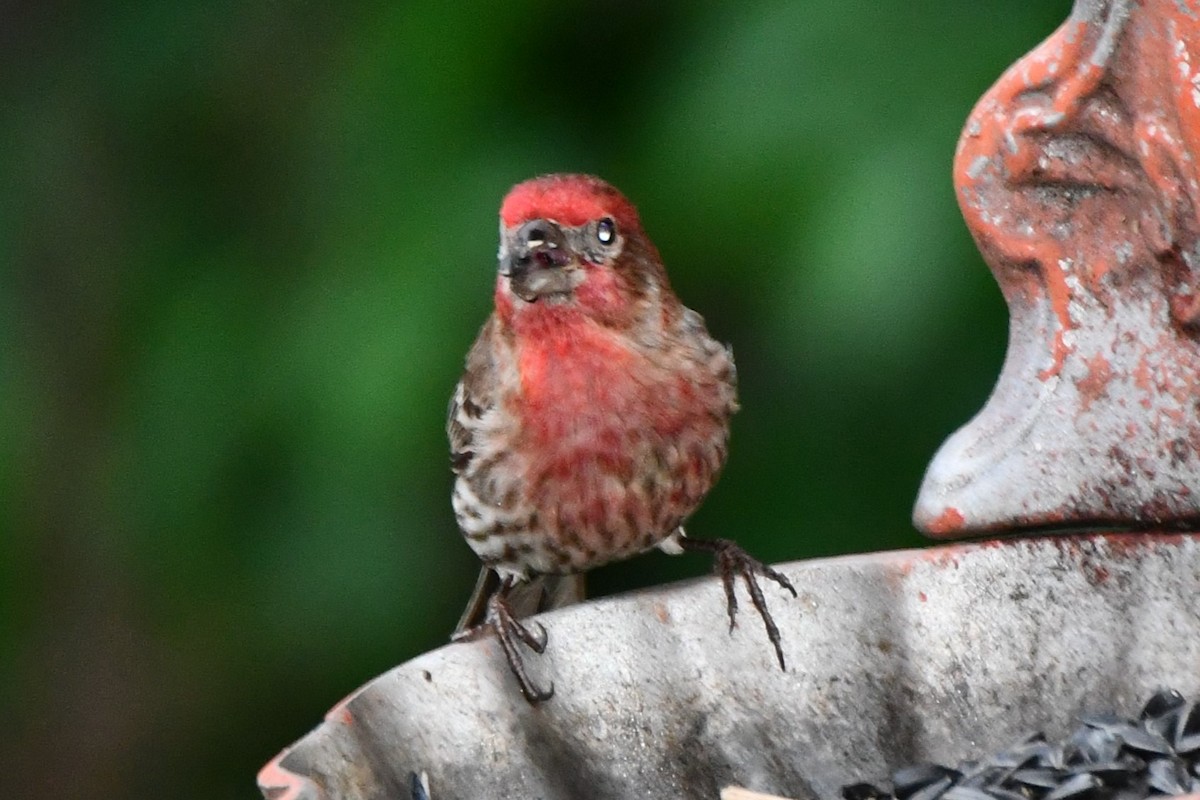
(592, 417)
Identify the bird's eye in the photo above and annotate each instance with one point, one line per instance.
(606, 231)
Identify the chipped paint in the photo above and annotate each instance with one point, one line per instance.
(949, 521)
(1094, 384)
(278, 783)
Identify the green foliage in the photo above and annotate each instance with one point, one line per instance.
(244, 248)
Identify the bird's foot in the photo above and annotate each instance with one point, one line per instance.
(732, 561)
(500, 621)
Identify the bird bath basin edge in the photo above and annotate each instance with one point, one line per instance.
(893, 657)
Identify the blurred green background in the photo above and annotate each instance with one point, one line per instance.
(246, 245)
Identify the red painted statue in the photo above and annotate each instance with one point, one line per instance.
(1076, 175)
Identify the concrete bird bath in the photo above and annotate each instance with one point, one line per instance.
(893, 658)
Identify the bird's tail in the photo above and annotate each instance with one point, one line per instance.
(540, 593)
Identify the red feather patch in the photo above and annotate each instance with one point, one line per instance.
(568, 199)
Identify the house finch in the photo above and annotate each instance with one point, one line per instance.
(593, 416)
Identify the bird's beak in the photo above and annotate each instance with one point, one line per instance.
(538, 260)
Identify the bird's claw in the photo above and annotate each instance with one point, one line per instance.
(508, 630)
(535, 641)
(732, 561)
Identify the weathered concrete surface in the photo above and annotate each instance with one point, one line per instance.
(1078, 178)
(893, 658)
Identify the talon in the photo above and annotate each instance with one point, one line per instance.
(732, 561)
(535, 641)
(535, 695)
(731, 603)
(779, 578)
(499, 620)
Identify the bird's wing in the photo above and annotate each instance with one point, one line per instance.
(473, 397)
(458, 429)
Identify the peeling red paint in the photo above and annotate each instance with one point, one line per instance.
(1095, 383)
(1124, 544)
(1186, 308)
(1060, 297)
(340, 713)
(943, 557)
(279, 783)
(948, 521)
(1141, 376)
(1078, 174)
